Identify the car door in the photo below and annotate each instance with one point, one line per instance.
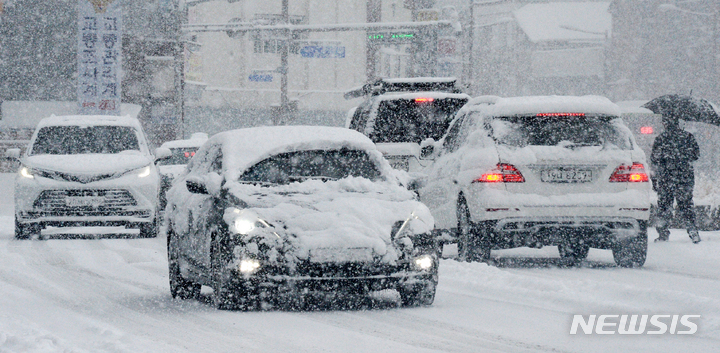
(440, 189)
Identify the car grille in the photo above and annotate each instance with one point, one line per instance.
(60, 200)
(346, 270)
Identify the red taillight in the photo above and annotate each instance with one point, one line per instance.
(424, 100)
(646, 130)
(503, 173)
(633, 174)
(189, 154)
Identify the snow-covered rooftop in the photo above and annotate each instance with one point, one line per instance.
(565, 21)
(554, 104)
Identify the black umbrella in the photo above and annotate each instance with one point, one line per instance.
(685, 107)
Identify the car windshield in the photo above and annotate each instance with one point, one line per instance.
(414, 120)
(572, 131)
(179, 156)
(316, 164)
(85, 140)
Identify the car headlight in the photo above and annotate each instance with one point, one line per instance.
(26, 172)
(248, 266)
(243, 221)
(424, 262)
(143, 172)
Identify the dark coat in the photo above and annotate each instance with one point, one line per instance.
(672, 155)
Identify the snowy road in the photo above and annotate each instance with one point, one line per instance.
(111, 295)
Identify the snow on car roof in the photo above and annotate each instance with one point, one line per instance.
(420, 79)
(413, 95)
(251, 145)
(196, 140)
(554, 104)
(90, 120)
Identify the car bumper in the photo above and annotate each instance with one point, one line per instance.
(121, 201)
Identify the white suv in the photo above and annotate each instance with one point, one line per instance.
(86, 171)
(537, 171)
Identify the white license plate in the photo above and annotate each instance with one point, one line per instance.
(561, 175)
(84, 201)
(341, 255)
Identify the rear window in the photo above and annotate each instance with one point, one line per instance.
(179, 156)
(85, 140)
(572, 131)
(414, 120)
(323, 165)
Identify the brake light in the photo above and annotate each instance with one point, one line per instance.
(632, 174)
(424, 100)
(189, 154)
(503, 173)
(646, 130)
(561, 114)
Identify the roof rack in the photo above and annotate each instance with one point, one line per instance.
(414, 84)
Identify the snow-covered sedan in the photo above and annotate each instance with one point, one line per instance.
(537, 171)
(272, 215)
(86, 171)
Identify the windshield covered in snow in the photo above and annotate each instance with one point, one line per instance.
(573, 131)
(85, 140)
(414, 120)
(323, 165)
(179, 156)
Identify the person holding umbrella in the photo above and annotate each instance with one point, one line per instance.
(672, 155)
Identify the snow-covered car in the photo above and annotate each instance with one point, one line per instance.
(86, 171)
(539, 171)
(180, 153)
(400, 113)
(270, 215)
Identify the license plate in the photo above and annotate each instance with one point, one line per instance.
(341, 255)
(85, 201)
(566, 175)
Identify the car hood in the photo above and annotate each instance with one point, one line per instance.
(87, 167)
(328, 220)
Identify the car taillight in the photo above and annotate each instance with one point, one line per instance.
(424, 100)
(503, 173)
(633, 174)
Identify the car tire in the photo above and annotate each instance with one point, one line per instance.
(573, 251)
(26, 231)
(418, 295)
(179, 287)
(472, 241)
(632, 252)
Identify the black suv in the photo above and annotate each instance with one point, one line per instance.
(399, 114)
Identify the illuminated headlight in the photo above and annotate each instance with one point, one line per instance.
(248, 266)
(243, 225)
(26, 172)
(424, 262)
(143, 172)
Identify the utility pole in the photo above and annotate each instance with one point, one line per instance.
(284, 52)
(374, 14)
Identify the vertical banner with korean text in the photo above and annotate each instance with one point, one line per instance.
(99, 56)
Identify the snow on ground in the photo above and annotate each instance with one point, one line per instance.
(111, 295)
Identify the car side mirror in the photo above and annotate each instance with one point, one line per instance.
(162, 153)
(12, 153)
(427, 148)
(214, 183)
(196, 185)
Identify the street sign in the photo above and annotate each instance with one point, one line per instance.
(392, 37)
(314, 51)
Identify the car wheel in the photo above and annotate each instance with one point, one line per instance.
(418, 295)
(472, 241)
(179, 287)
(632, 252)
(573, 250)
(26, 231)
